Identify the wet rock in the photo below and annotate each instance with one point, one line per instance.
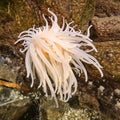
(79, 11)
(107, 28)
(89, 102)
(109, 57)
(66, 112)
(12, 104)
(107, 8)
(7, 72)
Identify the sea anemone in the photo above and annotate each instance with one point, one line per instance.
(55, 54)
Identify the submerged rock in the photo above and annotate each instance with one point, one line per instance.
(12, 104)
(90, 102)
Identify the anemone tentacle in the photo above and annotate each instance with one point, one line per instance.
(55, 53)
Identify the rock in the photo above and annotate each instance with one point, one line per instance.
(66, 9)
(108, 56)
(88, 103)
(67, 111)
(12, 104)
(107, 28)
(107, 8)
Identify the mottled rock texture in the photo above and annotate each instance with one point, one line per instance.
(107, 8)
(107, 20)
(95, 99)
(106, 28)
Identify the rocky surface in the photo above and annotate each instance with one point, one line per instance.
(99, 98)
(106, 28)
(109, 56)
(12, 104)
(107, 8)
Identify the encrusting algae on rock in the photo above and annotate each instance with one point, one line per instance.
(53, 53)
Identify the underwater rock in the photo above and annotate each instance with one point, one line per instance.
(12, 104)
(106, 28)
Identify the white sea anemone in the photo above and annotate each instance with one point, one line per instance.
(53, 53)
